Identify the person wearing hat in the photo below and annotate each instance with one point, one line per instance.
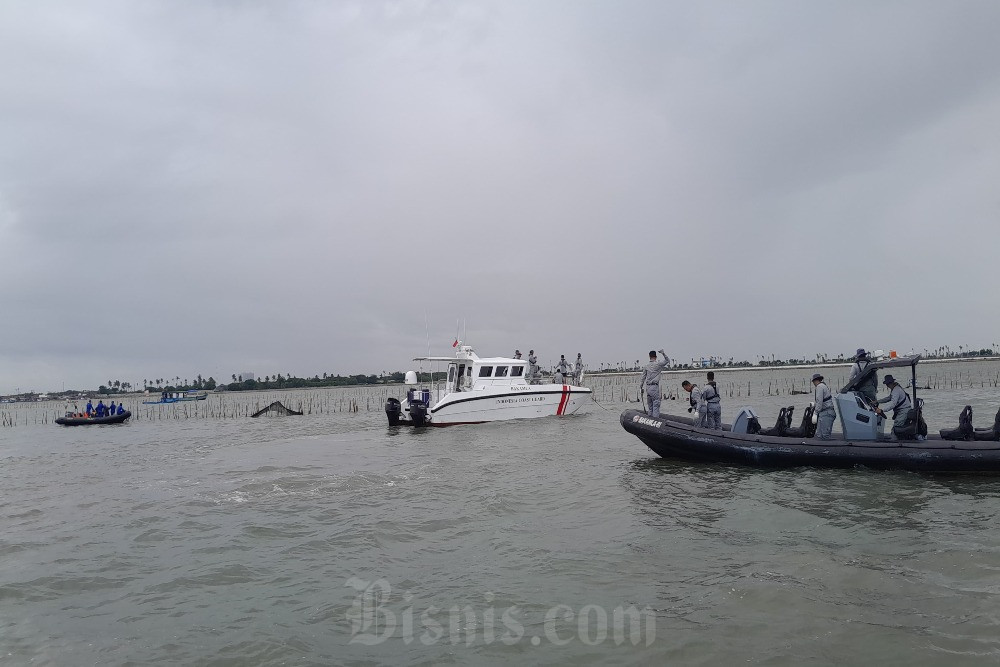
(650, 381)
(898, 400)
(870, 387)
(532, 367)
(825, 414)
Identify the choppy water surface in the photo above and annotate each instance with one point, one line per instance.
(333, 539)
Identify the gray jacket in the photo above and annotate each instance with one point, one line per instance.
(897, 399)
(822, 397)
(651, 374)
(710, 394)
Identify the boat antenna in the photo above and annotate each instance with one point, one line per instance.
(427, 333)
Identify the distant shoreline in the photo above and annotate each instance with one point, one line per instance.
(836, 364)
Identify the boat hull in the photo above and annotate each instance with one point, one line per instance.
(479, 407)
(93, 421)
(677, 438)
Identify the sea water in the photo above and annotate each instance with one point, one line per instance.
(331, 538)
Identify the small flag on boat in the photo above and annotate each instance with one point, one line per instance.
(455, 344)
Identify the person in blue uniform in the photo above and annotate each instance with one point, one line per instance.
(121, 409)
(90, 408)
(101, 409)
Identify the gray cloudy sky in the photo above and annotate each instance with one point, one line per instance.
(309, 187)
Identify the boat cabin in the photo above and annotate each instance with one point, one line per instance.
(467, 372)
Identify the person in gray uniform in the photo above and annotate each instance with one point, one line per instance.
(825, 414)
(563, 365)
(557, 377)
(898, 400)
(578, 369)
(712, 402)
(870, 388)
(532, 367)
(650, 381)
(694, 402)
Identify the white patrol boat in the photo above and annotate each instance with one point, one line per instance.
(482, 390)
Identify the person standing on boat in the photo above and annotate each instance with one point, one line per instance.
(578, 369)
(823, 402)
(532, 367)
(90, 407)
(870, 387)
(101, 408)
(694, 402)
(121, 409)
(712, 401)
(517, 354)
(563, 365)
(650, 381)
(898, 400)
(111, 409)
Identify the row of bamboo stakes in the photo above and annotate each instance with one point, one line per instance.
(616, 388)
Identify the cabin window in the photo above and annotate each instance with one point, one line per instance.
(516, 371)
(502, 371)
(451, 374)
(485, 371)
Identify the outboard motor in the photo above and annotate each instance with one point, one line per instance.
(746, 422)
(392, 411)
(418, 412)
(964, 430)
(989, 433)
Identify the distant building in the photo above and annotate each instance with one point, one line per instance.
(247, 375)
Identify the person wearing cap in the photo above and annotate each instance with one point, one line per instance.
(870, 387)
(532, 367)
(694, 402)
(825, 414)
(650, 381)
(898, 400)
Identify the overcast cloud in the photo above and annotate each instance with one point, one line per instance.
(309, 187)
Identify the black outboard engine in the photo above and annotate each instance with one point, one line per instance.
(989, 433)
(964, 430)
(418, 412)
(392, 411)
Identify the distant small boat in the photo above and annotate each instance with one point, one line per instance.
(178, 396)
(91, 421)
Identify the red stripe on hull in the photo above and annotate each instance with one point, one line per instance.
(563, 401)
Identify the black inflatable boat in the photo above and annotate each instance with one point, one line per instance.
(909, 447)
(91, 421)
